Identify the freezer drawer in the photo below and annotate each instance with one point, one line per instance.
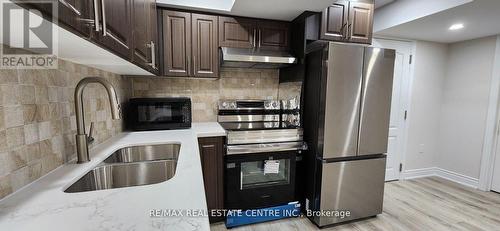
(356, 186)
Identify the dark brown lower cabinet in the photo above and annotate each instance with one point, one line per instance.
(212, 163)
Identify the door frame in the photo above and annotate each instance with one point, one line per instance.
(406, 94)
(491, 136)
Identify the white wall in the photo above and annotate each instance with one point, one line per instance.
(425, 105)
(464, 105)
(448, 109)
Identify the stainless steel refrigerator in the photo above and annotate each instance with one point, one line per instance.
(347, 99)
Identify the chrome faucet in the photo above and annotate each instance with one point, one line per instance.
(82, 139)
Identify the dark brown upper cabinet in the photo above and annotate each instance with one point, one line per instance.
(360, 28)
(127, 28)
(334, 21)
(347, 21)
(190, 45)
(204, 45)
(75, 15)
(237, 32)
(273, 35)
(212, 163)
(176, 43)
(116, 22)
(145, 35)
(78, 15)
(252, 33)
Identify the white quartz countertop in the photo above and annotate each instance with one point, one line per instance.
(43, 205)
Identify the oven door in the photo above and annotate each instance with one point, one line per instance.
(159, 113)
(260, 180)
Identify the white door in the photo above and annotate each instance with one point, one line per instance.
(495, 182)
(398, 106)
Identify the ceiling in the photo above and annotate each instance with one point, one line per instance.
(210, 5)
(277, 9)
(481, 18)
(381, 3)
(269, 9)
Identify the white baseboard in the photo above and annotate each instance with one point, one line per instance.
(419, 173)
(443, 173)
(458, 178)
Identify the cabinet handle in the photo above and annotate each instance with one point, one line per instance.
(151, 45)
(343, 30)
(260, 37)
(93, 22)
(254, 37)
(96, 16)
(349, 31)
(104, 28)
(194, 64)
(188, 68)
(71, 7)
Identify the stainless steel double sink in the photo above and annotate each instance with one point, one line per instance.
(131, 166)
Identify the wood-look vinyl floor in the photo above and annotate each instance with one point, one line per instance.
(423, 204)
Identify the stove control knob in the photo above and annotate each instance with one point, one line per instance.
(267, 105)
(225, 105)
(275, 105)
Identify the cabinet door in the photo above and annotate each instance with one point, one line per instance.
(144, 33)
(116, 24)
(205, 45)
(334, 21)
(360, 22)
(237, 32)
(176, 43)
(273, 35)
(212, 163)
(75, 15)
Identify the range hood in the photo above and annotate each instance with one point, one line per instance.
(255, 58)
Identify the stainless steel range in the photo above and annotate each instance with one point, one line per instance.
(261, 152)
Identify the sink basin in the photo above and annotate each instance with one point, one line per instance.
(131, 166)
(145, 153)
(124, 175)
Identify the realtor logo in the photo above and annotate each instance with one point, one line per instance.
(29, 36)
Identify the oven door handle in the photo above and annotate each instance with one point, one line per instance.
(261, 148)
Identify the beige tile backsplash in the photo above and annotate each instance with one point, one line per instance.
(37, 120)
(234, 83)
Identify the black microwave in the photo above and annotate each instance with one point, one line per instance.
(145, 114)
